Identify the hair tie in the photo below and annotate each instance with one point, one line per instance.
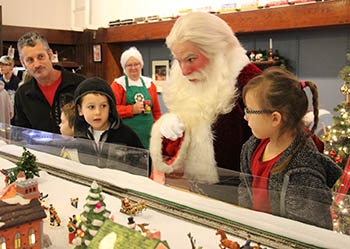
(303, 85)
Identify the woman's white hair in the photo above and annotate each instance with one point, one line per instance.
(131, 52)
(207, 32)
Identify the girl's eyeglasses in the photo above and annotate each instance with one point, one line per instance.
(247, 111)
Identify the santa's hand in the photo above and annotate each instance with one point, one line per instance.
(171, 127)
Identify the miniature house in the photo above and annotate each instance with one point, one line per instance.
(21, 216)
(112, 235)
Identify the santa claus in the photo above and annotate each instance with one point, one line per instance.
(205, 127)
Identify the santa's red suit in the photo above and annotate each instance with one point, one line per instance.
(205, 146)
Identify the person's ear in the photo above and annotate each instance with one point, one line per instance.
(79, 110)
(22, 62)
(276, 119)
(50, 54)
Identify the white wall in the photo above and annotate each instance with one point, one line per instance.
(104, 11)
(55, 14)
(81, 14)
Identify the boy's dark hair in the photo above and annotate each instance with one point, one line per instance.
(69, 111)
(279, 90)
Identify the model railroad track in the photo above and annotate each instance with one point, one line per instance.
(176, 210)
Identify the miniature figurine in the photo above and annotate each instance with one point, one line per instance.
(258, 56)
(257, 246)
(149, 233)
(131, 223)
(132, 209)
(252, 56)
(226, 243)
(75, 220)
(54, 218)
(74, 202)
(143, 229)
(9, 176)
(193, 242)
(247, 243)
(42, 197)
(72, 229)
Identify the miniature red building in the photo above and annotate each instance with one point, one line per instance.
(21, 216)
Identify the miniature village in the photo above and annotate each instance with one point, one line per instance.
(24, 209)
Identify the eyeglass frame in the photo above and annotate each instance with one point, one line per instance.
(135, 65)
(247, 111)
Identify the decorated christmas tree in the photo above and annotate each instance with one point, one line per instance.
(337, 146)
(92, 218)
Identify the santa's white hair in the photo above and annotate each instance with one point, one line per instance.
(215, 94)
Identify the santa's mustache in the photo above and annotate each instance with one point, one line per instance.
(199, 75)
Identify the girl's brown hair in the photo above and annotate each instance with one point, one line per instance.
(279, 90)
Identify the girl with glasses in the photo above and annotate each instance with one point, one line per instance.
(283, 173)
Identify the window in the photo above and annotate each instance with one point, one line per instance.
(31, 237)
(17, 241)
(2, 243)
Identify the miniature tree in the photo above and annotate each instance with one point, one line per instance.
(27, 164)
(337, 145)
(92, 218)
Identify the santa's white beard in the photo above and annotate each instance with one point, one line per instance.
(204, 100)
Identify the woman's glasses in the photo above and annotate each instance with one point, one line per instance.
(133, 65)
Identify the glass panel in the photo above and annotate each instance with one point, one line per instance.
(303, 203)
(113, 156)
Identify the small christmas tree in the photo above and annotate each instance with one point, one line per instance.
(337, 139)
(92, 218)
(27, 164)
(337, 145)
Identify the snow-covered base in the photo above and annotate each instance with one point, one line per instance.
(173, 230)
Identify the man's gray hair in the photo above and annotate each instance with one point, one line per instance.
(31, 39)
(207, 32)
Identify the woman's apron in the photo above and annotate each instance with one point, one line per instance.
(140, 123)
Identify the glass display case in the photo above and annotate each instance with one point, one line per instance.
(123, 172)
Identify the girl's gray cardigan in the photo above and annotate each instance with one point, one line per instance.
(301, 191)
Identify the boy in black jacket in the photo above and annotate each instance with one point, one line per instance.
(97, 119)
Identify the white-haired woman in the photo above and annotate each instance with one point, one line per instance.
(136, 95)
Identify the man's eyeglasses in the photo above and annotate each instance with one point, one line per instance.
(247, 111)
(133, 65)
